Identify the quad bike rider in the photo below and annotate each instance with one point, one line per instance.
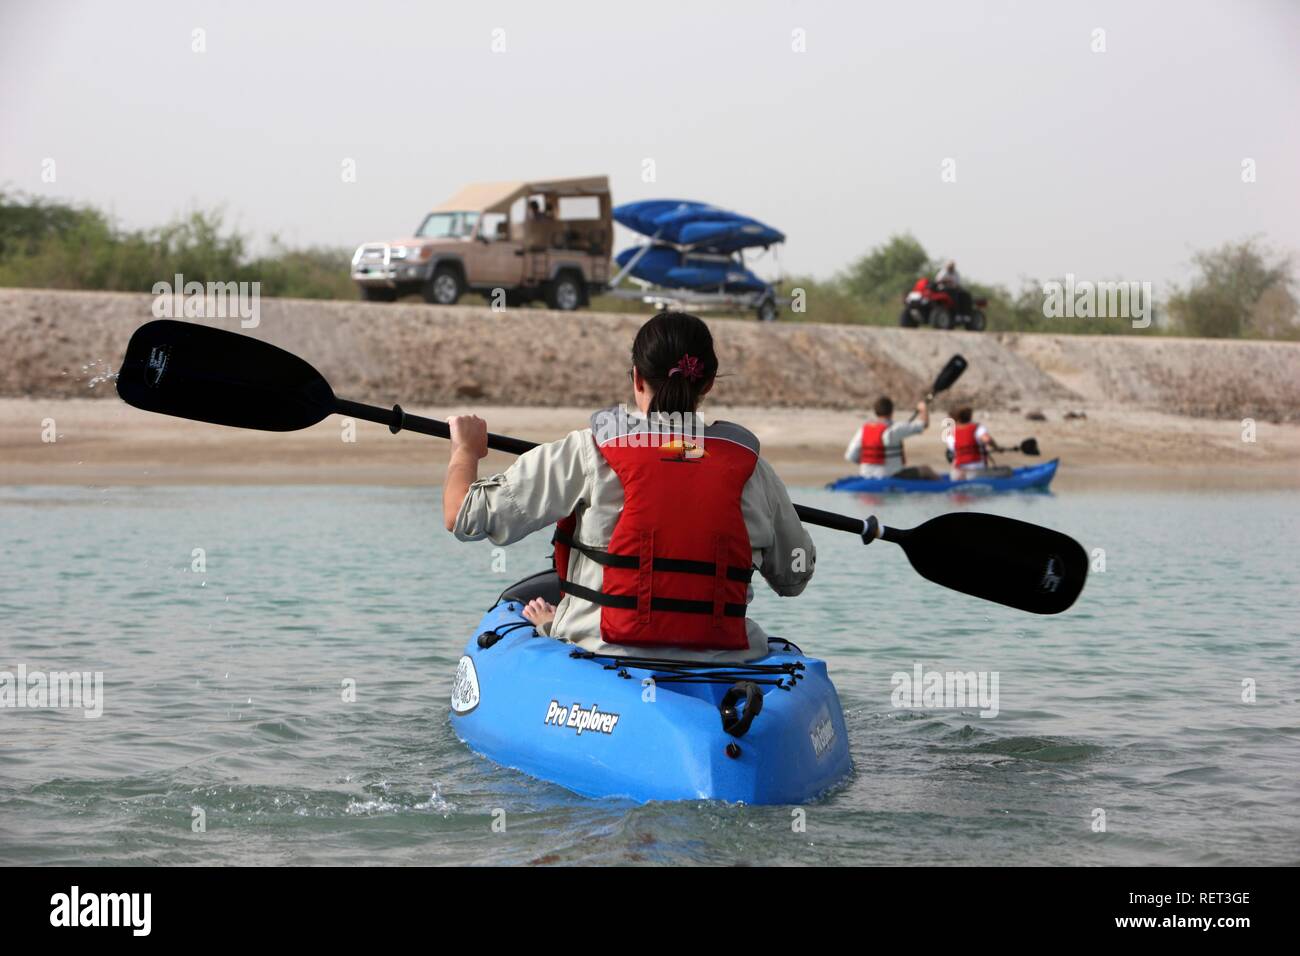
(943, 303)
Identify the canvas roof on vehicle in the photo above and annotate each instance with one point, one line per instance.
(498, 197)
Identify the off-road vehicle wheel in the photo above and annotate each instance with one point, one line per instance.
(906, 319)
(940, 318)
(378, 294)
(444, 287)
(564, 292)
(977, 321)
(767, 310)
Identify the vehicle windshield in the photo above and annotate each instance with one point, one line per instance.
(447, 225)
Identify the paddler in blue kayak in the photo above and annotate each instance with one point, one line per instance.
(877, 447)
(660, 519)
(969, 444)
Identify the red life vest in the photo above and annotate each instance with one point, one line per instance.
(679, 562)
(873, 444)
(966, 450)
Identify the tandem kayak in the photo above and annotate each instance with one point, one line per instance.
(769, 731)
(1033, 478)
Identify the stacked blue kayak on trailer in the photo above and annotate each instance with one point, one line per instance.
(769, 731)
(1033, 478)
(696, 225)
(693, 255)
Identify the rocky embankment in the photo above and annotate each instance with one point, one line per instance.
(67, 344)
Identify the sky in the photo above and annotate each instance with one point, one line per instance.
(1023, 139)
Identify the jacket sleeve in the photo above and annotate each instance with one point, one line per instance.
(903, 430)
(788, 553)
(854, 452)
(541, 487)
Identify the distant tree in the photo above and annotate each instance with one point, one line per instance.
(884, 273)
(28, 221)
(824, 301)
(53, 245)
(315, 272)
(1275, 314)
(1243, 289)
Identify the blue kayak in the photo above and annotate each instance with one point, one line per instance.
(770, 731)
(1033, 478)
(696, 224)
(667, 267)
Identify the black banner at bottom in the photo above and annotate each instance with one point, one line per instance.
(213, 906)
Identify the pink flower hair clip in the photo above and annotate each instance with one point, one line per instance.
(689, 366)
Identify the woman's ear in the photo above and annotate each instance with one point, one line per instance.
(707, 387)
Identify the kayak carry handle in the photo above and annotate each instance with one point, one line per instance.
(734, 722)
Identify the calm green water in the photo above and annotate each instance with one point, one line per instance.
(222, 692)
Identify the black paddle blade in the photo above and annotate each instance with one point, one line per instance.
(998, 559)
(948, 377)
(211, 375)
(1029, 447)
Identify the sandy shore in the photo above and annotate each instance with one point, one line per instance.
(105, 442)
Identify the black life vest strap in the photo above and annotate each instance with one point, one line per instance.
(680, 565)
(627, 602)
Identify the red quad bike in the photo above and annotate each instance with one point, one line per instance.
(927, 304)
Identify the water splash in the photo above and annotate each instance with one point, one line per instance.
(100, 371)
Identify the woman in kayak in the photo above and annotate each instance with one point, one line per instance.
(660, 519)
(970, 444)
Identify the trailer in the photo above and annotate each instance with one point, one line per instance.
(766, 304)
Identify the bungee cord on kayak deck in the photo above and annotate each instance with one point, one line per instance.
(691, 672)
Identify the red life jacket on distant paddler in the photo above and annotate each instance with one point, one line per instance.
(873, 444)
(966, 450)
(679, 562)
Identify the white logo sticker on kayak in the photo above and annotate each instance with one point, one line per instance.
(577, 719)
(822, 736)
(464, 689)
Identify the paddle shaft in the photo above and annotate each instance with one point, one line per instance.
(398, 420)
(929, 397)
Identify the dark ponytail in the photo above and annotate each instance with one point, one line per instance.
(674, 354)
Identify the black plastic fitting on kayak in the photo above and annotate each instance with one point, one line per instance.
(487, 639)
(734, 722)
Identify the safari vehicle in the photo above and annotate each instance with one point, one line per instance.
(523, 241)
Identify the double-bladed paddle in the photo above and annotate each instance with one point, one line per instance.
(1027, 447)
(211, 375)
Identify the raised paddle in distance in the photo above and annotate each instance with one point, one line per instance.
(211, 375)
(945, 380)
